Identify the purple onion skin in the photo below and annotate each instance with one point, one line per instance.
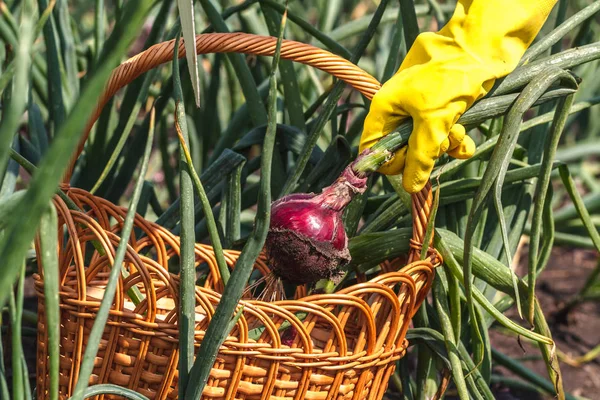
(321, 224)
(307, 240)
(288, 336)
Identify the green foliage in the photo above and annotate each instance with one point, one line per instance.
(267, 128)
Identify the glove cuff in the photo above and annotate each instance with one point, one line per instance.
(497, 32)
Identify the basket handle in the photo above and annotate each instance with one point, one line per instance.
(238, 42)
(247, 43)
(421, 210)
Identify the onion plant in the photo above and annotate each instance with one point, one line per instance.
(234, 133)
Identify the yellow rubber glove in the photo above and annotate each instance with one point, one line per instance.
(443, 74)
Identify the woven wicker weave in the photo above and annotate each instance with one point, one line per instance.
(341, 345)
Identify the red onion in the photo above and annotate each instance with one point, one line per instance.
(307, 240)
(288, 336)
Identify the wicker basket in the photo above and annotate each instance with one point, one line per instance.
(341, 345)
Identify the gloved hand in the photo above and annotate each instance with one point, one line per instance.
(443, 74)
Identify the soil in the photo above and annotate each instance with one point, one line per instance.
(575, 332)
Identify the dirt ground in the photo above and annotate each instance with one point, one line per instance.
(575, 334)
